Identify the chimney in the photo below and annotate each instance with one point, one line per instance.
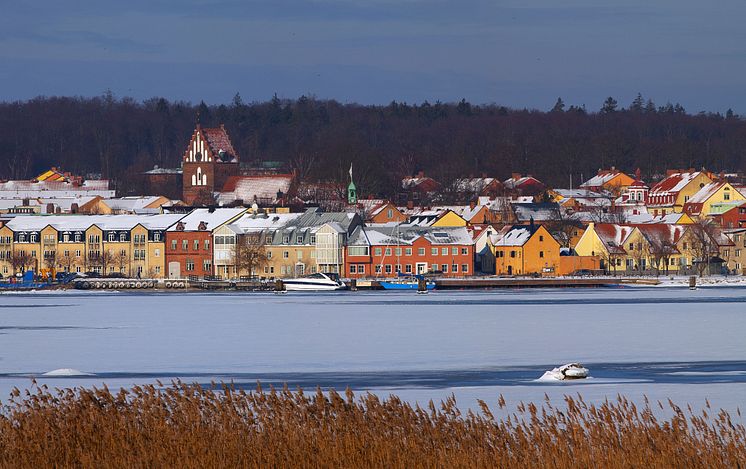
(410, 204)
(50, 208)
(421, 174)
(472, 204)
(74, 208)
(515, 176)
(25, 202)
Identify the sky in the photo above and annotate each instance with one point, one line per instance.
(517, 53)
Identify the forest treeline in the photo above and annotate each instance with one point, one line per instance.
(120, 138)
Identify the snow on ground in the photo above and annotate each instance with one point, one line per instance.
(473, 343)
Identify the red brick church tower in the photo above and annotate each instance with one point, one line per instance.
(208, 162)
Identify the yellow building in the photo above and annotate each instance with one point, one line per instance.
(701, 203)
(670, 194)
(525, 250)
(128, 244)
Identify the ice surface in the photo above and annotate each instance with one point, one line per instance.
(481, 343)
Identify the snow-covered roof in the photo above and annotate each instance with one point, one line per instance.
(83, 222)
(253, 222)
(603, 177)
(536, 211)
(213, 218)
(23, 189)
(251, 189)
(406, 234)
(648, 218)
(516, 235)
(130, 204)
(674, 183)
(706, 192)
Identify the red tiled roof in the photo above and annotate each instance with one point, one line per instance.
(217, 138)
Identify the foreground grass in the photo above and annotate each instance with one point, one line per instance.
(188, 426)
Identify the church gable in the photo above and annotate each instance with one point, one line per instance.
(210, 145)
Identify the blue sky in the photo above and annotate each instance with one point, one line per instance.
(516, 53)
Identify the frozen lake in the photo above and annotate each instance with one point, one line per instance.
(659, 342)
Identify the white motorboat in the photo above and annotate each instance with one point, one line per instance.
(566, 372)
(315, 282)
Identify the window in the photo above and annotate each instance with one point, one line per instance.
(434, 268)
(512, 253)
(541, 253)
(631, 246)
(269, 254)
(408, 252)
(388, 268)
(464, 268)
(420, 251)
(66, 238)
(207, 265)
(444, 251)
(454, 268)
(361, 268)
(122, 237)
(454, 251)
(157, 253)
(157, 269)
(196, 245)
(444, 268)
(312, 239)
(173, 245)
(398, 251)
(378, 251)
(285, 254)
(408, 268)
(738, 253)
(684, 245)
(299, 253)
(111, 237)
(286, 239)
(390, 214)
(434, 251)
(353, 268)
(156, 236)
(464, 251)
(299, 239)
(388, 251)
(77, 237)
(357, 251)
(378, 269)
(398, 268)
(266, 269)
(77, 253)
(726, 194)
(271, 269)
(184, 245)
(33, 237)
(189, 265)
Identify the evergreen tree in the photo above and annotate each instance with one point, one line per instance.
(559, 106)
(637, 104)
(610, 105)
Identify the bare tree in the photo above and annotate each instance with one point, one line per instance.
(562, 225)
(662, 248)
(303, 164)
(67, 262)
(20, 261)
(249, 253)
(50, 261)
(703, 235)
(121, 260)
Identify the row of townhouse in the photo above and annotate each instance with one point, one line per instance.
(669, 248)
(129, 244)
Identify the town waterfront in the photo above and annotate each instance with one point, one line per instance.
(656, 342)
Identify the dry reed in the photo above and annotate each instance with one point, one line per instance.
(188, 426)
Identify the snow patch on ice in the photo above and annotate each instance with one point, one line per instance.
(67, 372)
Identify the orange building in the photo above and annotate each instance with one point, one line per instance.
(525, 250)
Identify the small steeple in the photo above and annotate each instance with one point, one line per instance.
(351, 190)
